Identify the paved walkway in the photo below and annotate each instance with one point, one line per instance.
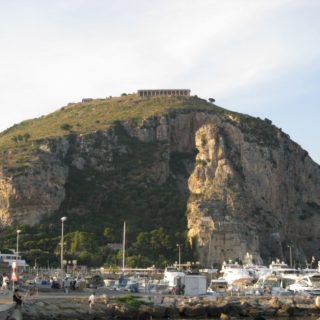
(6, 304)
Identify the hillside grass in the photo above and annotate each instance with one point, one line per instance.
(96, 115)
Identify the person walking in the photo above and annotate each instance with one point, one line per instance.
(5, 284)
(92, 301)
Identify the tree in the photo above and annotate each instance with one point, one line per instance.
(138, 261)
(109, 235)
(79, 241)
(39, 257)
(211, 100)
(155, 245)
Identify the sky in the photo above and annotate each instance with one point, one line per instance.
(259, 57)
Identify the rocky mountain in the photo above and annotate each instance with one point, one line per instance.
(234, 183)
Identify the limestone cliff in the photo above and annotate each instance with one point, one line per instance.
(245, 185)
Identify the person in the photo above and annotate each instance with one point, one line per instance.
(17, 298)
(66, 285)
(5, 284)
(32, 291)
(92, 301)
(73, 284)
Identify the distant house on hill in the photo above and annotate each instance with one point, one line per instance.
(164, 92)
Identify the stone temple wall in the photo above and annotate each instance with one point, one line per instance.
(164, 92)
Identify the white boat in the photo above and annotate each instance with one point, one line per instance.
(307, 271)
(309, 284)
(10, 258)
(217, 286)
(170, 275)
(235, 274)
(283, 270)
(272, 284)
(257, 271)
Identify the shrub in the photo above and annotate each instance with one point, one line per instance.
(66, 126)
(130, 300)
(26, 136)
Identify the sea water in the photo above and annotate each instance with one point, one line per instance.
(251, 318)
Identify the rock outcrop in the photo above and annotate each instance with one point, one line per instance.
(247, 187)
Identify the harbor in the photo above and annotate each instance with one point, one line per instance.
(177, 292)
(112, 304)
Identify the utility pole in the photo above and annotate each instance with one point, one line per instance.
(63, 219)
(17, 250)
(179, 260)
(290, 251)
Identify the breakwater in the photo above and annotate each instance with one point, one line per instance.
(173, 307)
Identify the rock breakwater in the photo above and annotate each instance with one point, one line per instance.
(163, 307)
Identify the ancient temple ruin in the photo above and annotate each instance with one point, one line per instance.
(164, 92)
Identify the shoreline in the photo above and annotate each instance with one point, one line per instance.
(135, 306)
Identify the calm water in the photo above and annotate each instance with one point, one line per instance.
(244, 318)
(248, 318)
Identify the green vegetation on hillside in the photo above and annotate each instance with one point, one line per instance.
(97, 115)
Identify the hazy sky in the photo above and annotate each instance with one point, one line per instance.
(260, 57)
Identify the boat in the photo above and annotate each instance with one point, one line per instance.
(271, 284)
(217, 286)
(267, 282)
(10, 258)
(283, 270)
(235, 274)
(170, 276)
(309, 284)
(257, 271)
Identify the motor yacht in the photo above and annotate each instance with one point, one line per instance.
(309, 284)
(283, 270)
(235, 274)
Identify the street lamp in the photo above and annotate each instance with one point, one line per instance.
(290, 250)
(179, 246)
(63, 219)
(17, 248)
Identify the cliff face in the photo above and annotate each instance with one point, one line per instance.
(245, 185)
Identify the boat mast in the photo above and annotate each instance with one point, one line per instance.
(123, 245)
